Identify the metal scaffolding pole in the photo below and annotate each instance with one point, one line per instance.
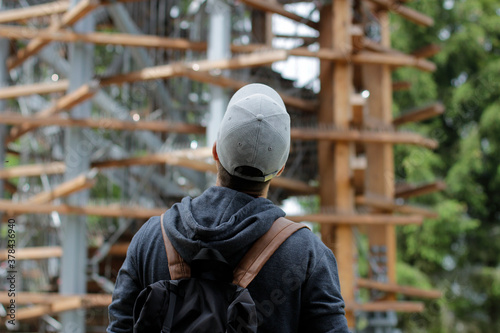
(219, 39)
(78, 149)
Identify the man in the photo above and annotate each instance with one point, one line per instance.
(298, 289)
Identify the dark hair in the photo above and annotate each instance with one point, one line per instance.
(250, 187)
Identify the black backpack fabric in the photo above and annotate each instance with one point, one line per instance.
(208, 296)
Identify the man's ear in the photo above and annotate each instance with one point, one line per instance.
(280, 172)
(214, 152)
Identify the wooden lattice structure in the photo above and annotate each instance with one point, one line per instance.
(355, 134)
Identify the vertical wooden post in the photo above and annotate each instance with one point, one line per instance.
(335, 110)
(262, 28)
(380, 158)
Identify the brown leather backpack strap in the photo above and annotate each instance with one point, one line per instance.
(176, 265)
(263, 249)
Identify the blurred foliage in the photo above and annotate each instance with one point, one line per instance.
(457, 252)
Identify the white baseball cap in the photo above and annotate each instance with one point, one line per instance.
(255, 132)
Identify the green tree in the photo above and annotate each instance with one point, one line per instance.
(459, 250)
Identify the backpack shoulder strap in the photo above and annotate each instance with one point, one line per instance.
(262, 250)
(176, 265)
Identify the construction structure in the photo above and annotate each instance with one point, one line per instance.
(109, 109)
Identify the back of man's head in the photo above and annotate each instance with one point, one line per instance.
(254, 138)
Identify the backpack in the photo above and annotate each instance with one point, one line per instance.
(208, 296)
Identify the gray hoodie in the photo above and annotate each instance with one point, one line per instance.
(297, 290)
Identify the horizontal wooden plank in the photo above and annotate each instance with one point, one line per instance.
(410, 190)
(101, 38)
(26, 298)
(384, 306)
(401, 85)
(393, 59)
(52, 303)
(119, 249)
(276, 8)
(406, 12)
(395, 288)
(19, 14)
(419, 114)
(177, 69)
(105, 123)
(358, 219)
(36, 88)
(385, 204)
(197, 163)
(31, 170)
(34, 253)
(362, 136)
(427, 51)
(108, 211)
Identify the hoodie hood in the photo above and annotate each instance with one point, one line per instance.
(220, 218)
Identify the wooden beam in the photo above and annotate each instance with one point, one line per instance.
(71, 16)
(33, 253)
(108, 211)
(334, 159)
(388, 205)
(32, 170)
(408, 191)
(427, 51)
(419, 114)
(119, 249)
(79, 183)
(365, 136)
(100, 38)
(27, 298)
(105, 123)
(96, 300)
(20, 14)
(358, 219)
(36, 88)
(66, 102)
(223, 81)
(294, 186)
(58, 305)
(393, 59)
(401, 85)
(276, 8)
(193, 159)
(177, 69)
(384, 306)
(406, 12)
(395, 288)
(32, 312)
(183, 158)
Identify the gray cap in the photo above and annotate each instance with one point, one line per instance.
(254, 132)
